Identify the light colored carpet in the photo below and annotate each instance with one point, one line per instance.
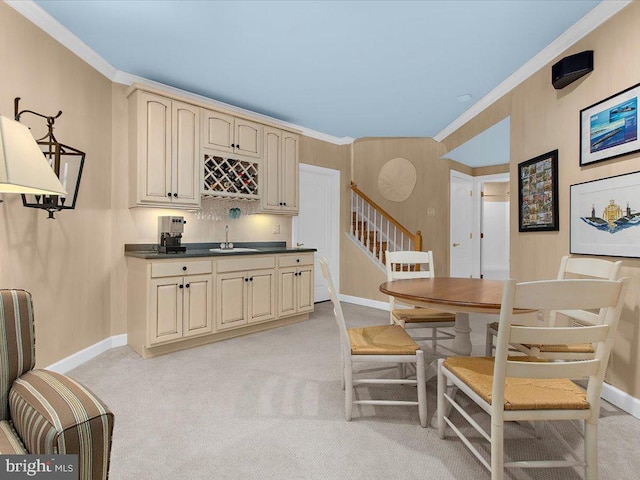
(269, 406)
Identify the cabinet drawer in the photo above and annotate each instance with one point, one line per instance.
(240, 264)
(171, 269)
(295, 260)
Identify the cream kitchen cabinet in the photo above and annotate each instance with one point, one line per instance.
(246, 291)
(226, 133)
(165, 152)
(169, 300)
(295, 284)
(280, 171)
(180, 307)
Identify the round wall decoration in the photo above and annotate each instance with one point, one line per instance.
(397, 179)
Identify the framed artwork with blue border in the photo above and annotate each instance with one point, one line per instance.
(605, 216)
(609, 128)
(538, 193)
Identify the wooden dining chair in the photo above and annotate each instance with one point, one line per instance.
(376, 344)
(411, 264)
(529, 389)
(570, 267)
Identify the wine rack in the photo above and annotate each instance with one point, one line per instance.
(230, 177)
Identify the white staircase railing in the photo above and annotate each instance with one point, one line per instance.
(376, 231)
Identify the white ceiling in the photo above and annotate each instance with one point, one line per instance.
(348, 68)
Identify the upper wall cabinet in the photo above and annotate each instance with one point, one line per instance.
(165, 152)
(280, 171)
(226, 133)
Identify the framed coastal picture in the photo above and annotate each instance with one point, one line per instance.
(538, 193)
(605, 216)
(609, 128)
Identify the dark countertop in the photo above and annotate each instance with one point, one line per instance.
(150, 250)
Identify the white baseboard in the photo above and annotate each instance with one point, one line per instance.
(78, 358)
(621, 399)
(365, 302)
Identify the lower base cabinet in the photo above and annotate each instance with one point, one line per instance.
(245, 297)
(180, 307)
(295, 285)
(174, 300)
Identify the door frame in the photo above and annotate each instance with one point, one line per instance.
(452, 209)
(476, 216)
(334, 217)
(478, 188)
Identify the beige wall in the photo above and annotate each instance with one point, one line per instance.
(65, 263)
(430, 194)
(543, 119)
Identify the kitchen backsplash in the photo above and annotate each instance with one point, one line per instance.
(143, 227)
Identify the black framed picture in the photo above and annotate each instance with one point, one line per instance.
(609, 128)
(538, 193)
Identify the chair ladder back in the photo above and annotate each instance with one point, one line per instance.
(589, 267)
(558, 335)
(572, 294)
(568, 369)
(337, 307)
(607, 295)
(406, 260)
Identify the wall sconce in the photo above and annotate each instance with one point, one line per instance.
(66, 162)
(23, 168)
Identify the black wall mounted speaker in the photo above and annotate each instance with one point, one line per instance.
(571, 68)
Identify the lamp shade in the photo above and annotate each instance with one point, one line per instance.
(23, 166)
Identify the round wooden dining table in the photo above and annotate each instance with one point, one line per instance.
(457, 295)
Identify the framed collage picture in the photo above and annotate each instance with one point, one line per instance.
(538, 193)
(605, 216)
(609, 128)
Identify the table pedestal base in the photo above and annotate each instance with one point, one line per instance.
(462, 342)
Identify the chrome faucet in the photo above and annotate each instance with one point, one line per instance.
(227, 245)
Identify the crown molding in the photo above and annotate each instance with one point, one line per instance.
(596, 17)
(40, 17)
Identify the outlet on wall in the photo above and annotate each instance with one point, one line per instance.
(276, 228)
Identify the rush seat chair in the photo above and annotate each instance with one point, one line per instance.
(570, 267)
(520, 388)
(376, 344)
(411, 264)
(43, 412)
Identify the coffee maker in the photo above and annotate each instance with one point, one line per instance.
(170, 234)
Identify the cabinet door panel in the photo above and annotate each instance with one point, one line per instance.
(231, 295)
(165, 312)
(287, 292)
(155, 148)
(248, 136)
(289, 172)
(270, 171)
(186, 154)
(217, 131)
(197, 305)
(262, 296)
(305, 290)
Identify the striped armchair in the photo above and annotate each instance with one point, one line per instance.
(43, 412)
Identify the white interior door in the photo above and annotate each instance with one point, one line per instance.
(461, 225)
(494, 255)
(318, 223)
